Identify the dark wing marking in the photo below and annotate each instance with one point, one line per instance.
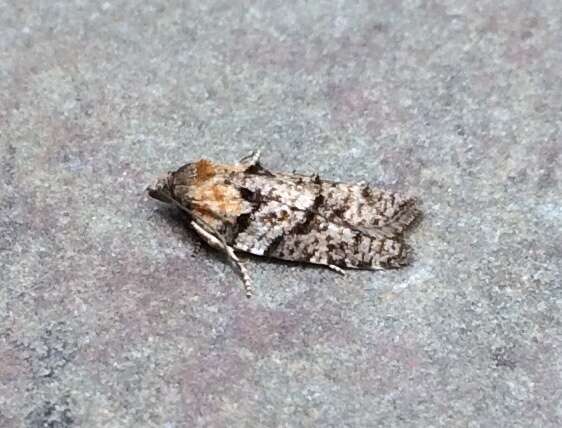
(267, 226)
(278, 208)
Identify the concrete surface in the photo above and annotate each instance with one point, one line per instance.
(114, 315)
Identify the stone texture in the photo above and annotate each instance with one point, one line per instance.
(113, 314)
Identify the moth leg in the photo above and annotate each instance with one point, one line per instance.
(337, 269)
(214, 242)
(252, 159)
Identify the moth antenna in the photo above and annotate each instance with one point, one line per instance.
(246, 280)
(242, 269)
(215, 242)
(183, 208)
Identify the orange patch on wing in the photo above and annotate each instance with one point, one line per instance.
(219, 199)
(213, 196)
(218, 193)
(205, 170)
(227, 199)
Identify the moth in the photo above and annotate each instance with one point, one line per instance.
(245, 207)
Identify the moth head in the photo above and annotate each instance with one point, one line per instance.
(162, 189)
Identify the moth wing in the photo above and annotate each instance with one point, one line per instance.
(309, 238)
(339, 245)
(280, 207)
(266, 227)
(372, 211)
(302, 219)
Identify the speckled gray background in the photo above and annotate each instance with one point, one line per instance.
(112, 314)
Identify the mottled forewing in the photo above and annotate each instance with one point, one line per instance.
(329, 243)
(280, 208)
(304, 219)
(374, 211)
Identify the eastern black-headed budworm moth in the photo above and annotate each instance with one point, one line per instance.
(247, 208)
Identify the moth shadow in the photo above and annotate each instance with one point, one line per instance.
(296, 264)
(181, 228)
(179, 222)
(274, 261)
(419, 217)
